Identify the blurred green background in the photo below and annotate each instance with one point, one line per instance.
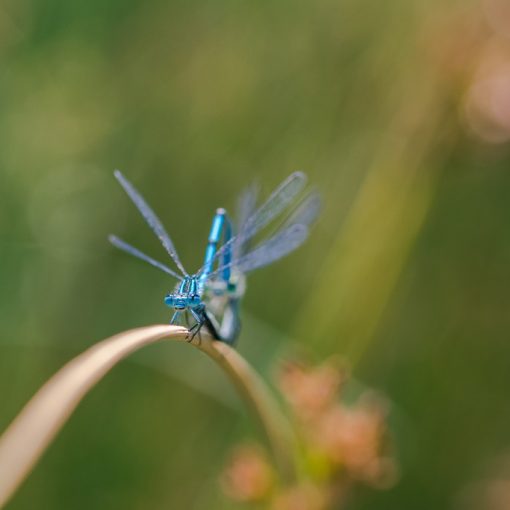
(397, 110)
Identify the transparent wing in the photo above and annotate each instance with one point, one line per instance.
(246, 204)
(150, 217)
(119, 243)
(307, 212)
(245, 207)
(279, 200)
(281, 244)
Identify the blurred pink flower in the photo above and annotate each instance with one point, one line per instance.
(340, 444)
(310, 390)
(487, 102)
(248, 476)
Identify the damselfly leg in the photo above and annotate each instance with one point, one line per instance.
(186, 318)
(201, 319)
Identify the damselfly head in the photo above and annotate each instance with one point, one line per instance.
(175, 301)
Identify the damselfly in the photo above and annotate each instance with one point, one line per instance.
(213, 293)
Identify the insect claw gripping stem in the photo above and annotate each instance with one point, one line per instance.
(189, 336)
(194, 331)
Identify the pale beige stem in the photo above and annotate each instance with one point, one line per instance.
(255, 391)
(25, 440)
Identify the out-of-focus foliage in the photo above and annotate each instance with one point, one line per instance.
(397, 110)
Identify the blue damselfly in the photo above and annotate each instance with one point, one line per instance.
(213, 293)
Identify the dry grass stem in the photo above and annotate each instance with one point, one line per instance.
(31, 432)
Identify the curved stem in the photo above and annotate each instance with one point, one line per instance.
(255, 391)
(31, 432)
